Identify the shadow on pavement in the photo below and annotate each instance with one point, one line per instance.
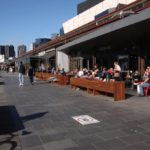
(11, 122)
(9, 141)
(33, 116)
(128, 95)
(7, 124)
(7, 128)
(2, 83)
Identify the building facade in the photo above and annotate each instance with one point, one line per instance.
(122, 37)
(39, 41)
(2, 50)
(87, 4)
(9, 51)
(89, 15)
(22, 49)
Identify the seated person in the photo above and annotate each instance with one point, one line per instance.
(80, 73)
(145, 83)
(91, 74)
(145, 74)
(136, 78)
(85, 73)
(96, 74)
(62, 72)
(110, 72)
(103, 73)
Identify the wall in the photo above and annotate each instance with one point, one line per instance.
(89, 15)
(62, 60)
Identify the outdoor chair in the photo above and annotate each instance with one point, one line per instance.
(146, 89)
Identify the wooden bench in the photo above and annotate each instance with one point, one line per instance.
(61, 79)
(116, 88)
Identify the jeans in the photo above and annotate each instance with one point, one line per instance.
(21, 79)
(31, 79)
(140, 88)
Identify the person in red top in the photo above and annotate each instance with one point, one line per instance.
(145, 83)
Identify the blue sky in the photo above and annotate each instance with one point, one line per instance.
(22, 21)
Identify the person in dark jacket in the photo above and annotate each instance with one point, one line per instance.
(21, 74)
(31, 74)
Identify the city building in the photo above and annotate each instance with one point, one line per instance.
(39, 41)
(7, 54)
(2, 49)
(116, 30)
(85, 5)
(122, 34)
(22, 49)
(9, 51)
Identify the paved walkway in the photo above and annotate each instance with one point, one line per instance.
(43, 118)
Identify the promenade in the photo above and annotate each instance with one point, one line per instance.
(39, 117)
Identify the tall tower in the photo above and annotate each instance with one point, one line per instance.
(2, 50)
(21, 50)
(9, 51)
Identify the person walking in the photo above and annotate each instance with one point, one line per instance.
(21, 74)
(31, 74)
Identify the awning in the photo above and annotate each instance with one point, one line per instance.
(109, 28)
(46, 55)
(50, 54)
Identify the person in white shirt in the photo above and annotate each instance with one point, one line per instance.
(117, 71)
(80, 73)
(117, 67)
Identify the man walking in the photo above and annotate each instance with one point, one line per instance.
(31, 74)
(21, 74)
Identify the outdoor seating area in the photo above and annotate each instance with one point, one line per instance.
(107, 82)
(93, 86)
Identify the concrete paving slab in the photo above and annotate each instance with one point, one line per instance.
(45, 112)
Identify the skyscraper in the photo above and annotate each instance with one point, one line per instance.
(2, 50)
(40, 41)
(9, 51)
(21, 50)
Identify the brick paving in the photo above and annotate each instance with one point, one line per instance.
(42, 116)
(9, 138)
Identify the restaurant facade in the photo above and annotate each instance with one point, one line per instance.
(122, 35)
(125, 40)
